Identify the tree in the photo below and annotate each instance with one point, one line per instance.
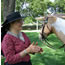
(1, 11)
(8, 7)
(60, 4)
(31, 8)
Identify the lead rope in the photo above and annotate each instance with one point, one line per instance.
(45, 39)
(48, 44)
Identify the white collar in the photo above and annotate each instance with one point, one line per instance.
(20, 36)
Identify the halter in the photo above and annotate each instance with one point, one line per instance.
(45, 38)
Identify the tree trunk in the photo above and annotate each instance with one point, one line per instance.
(8, 7)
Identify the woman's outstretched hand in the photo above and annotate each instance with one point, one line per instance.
(34, 48)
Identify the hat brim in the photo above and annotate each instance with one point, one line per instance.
(5, 22)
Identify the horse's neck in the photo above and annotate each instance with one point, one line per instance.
(59, 25)
(58, 28)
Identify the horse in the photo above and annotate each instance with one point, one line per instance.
(54, 25)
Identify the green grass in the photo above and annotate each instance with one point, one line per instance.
(49, 56)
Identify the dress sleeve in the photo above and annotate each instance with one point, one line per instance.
(9, 51)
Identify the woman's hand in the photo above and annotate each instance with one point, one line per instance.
(34, 48)
(31, 49)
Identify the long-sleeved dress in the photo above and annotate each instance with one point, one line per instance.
(12, 45)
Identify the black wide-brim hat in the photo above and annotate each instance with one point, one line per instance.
(12, 17)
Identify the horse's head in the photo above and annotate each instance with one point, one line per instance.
(46, 26)
(46, 29)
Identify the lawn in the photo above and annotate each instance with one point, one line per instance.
(49, 56)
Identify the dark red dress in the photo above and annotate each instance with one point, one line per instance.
(11, 46)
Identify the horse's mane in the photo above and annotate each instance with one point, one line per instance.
(59, 15)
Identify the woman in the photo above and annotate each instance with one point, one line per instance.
(16, 46)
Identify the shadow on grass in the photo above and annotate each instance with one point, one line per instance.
(54, 41)
(48, 59)
(2, 61)
(49, 56)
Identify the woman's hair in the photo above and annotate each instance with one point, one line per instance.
(4, 30)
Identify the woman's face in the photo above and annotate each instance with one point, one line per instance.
(17, 25)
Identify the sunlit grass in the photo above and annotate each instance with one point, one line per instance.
(49, 56)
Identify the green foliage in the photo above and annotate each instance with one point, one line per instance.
(18, 5)
(61, 5)
(28, 20)
(38, 7)
(35, 8)
(50, 4)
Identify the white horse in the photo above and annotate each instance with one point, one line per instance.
(55, 25)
